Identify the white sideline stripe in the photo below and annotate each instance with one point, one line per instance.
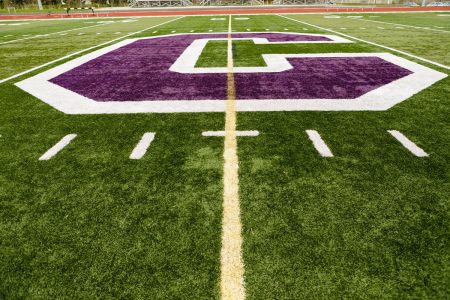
(408, 144)
(319, 144)
(141, 148)
(238, 133)
(371, 43)
(84, 50)
(47, 34)
(58, 147)
(411, 26)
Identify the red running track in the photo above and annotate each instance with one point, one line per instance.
(180, 12)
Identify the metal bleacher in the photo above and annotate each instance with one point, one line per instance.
(158, 3)
(299, 2)
(167, 3)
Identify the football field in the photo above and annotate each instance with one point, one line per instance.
(291, 156)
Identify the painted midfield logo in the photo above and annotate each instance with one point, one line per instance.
(158, 74)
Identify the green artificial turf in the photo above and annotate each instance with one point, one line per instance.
(370, 223)
(428, 44)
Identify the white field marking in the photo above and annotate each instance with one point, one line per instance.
(210, 30)
(343, 28)
(238, 133)
(444, 15)
(376, 100)
(47, 34)
(363, 28)
(98, 33)
(305, 28)
(380, 27)
(63, 34)
(14, 24)
(141, 148)
(155, 31)
(81, 33)
(319, 144)
(191, 31)
(267, 29)
(26, 34)
(82, 51)
(398, 27)
(371, 43)
(58, 147)
(231, 261)
(410, 26)
(241, 19)
(408, 144)
(118, 32)
(248, 29)
(173, 31)
(217, 19)
(286, 29)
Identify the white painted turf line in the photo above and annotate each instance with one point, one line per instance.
(402, 25)
(84, 50)
(231, 260)
(371, 43)
(47, 34)
(58, 147)
(238, 133)
(408, 144)
(319, 144)
(141, 148)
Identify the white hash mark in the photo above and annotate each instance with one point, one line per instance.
(319, 144)
(58, 147)
(238, 133)
(141, 148)
(408, 144)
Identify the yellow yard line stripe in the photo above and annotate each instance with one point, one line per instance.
(231, 261)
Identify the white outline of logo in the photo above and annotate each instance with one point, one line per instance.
(378, 99)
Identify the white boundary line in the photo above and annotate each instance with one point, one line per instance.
(141, 148)
(58, 147)
(371, 43)
(48, 34)
(408, 144)
(85, 50)
(319, 144)
(411, 26)
(238, 133)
